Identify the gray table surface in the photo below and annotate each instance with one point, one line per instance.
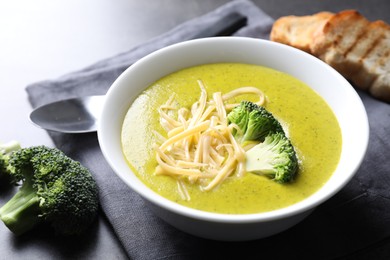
(44, 39)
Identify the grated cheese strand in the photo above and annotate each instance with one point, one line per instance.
(242, 91)
(200, 127)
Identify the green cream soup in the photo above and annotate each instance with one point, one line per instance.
(305, 116)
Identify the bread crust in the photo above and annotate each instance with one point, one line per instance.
(298, 31)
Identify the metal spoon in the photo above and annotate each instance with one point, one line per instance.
(79, 115)
(76, 115)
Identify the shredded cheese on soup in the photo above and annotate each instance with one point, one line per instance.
(199, 146)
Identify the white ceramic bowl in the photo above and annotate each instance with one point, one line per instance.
(339, 94)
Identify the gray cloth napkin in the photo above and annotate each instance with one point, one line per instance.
(357, 217)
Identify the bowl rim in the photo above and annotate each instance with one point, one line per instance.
(299, 207)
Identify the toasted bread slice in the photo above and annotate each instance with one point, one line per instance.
(380, 70)
(357, 48)
(298, 31)
(359, 58)
(371, 56)
(337, 38)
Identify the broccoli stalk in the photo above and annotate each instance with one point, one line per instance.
(5, 152)
(275, 158)
(7, 148)
(21, 212)
(55, 189)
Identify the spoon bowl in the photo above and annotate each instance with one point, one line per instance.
(75, 115)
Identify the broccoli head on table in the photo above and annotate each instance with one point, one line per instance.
(55, 189)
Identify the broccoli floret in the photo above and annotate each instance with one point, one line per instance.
(275, 158)
(254, 122)
(55, 189)
(5, 153)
